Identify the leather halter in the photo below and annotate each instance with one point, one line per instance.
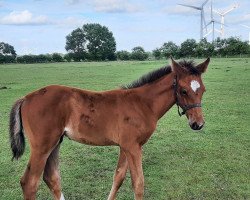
(185, 108)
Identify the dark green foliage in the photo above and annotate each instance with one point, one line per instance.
(56, 57)
(123, 55)
(7, 53)
(68, 57)
(157, 53)
(204, 49)
(76, 45)
(94, 42)
(7, 49)
(75, 41)
(42, 58)
(7, 58)
(26, 59)
(77, 57)
(91, 42)
(138, 53)
(187, 48)
(101, 43)
(234, 46)
(170, 49)
(220, 47)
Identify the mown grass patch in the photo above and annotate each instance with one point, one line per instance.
(178, 163)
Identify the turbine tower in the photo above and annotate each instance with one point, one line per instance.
(200, 8)
(248, 27)
(212, 22)
(222, 14)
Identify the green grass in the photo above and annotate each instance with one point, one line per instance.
(178, 162)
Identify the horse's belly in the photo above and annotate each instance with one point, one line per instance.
(89, 138)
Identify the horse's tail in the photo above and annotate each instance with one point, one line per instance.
(17, 141)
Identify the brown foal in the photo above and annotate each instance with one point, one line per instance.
(125, 117)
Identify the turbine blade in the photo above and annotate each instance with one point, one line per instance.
(229, 10)
(209, 23)
(245, 26)
(217, 22)
(205, 3)
(217, 30)
(194, 7)
(216, 11)
(212, 9)
(209, 32)
(204, 21)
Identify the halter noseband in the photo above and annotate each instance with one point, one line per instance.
(185, 108)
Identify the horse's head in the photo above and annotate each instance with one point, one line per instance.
(189, 89)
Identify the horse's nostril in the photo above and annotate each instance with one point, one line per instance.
(195, 126)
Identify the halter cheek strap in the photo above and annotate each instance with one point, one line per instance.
(185, 108)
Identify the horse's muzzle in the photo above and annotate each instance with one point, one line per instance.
(196, 126)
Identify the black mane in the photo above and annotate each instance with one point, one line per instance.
(158, 73)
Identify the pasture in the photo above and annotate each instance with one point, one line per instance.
(178, 163)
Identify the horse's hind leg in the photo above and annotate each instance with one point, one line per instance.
(119, 175)
(51, 175)
(30, 179)
(41, 146)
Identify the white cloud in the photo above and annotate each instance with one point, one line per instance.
(71, 22)
(108, 6)
(240, 19)
(180, 10)
(115, 6)
(72, 2)
(23, 18)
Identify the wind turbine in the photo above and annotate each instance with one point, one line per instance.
(248, 27)
(222, 14)
(203, 21)
(212, 22)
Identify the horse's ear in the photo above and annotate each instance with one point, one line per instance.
(176, 67)
(203, 66)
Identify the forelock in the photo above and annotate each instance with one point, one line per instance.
(190, 66)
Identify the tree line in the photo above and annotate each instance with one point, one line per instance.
(232, 46)
(93, 42)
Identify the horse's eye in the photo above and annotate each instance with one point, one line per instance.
(184, 92)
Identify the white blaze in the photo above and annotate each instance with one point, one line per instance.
(195, 85)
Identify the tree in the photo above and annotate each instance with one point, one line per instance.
(235, 47)
(7, 49)
(43, 58)
(138, 53)
(56, 57)
(123, 55)
(188, 47)
(92, 41)
(157, 53)
(7, 53)
(101, 43)
(68, 57)
(219, 45)
(204, 48)
(75, 43)
(170, 49)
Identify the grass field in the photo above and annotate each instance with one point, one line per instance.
(178, 162)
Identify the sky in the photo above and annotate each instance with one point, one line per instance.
(40, 26)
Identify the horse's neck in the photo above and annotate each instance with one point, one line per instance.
(161, 95)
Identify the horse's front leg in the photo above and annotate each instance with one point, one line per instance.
(119, 175)
(134, 157)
